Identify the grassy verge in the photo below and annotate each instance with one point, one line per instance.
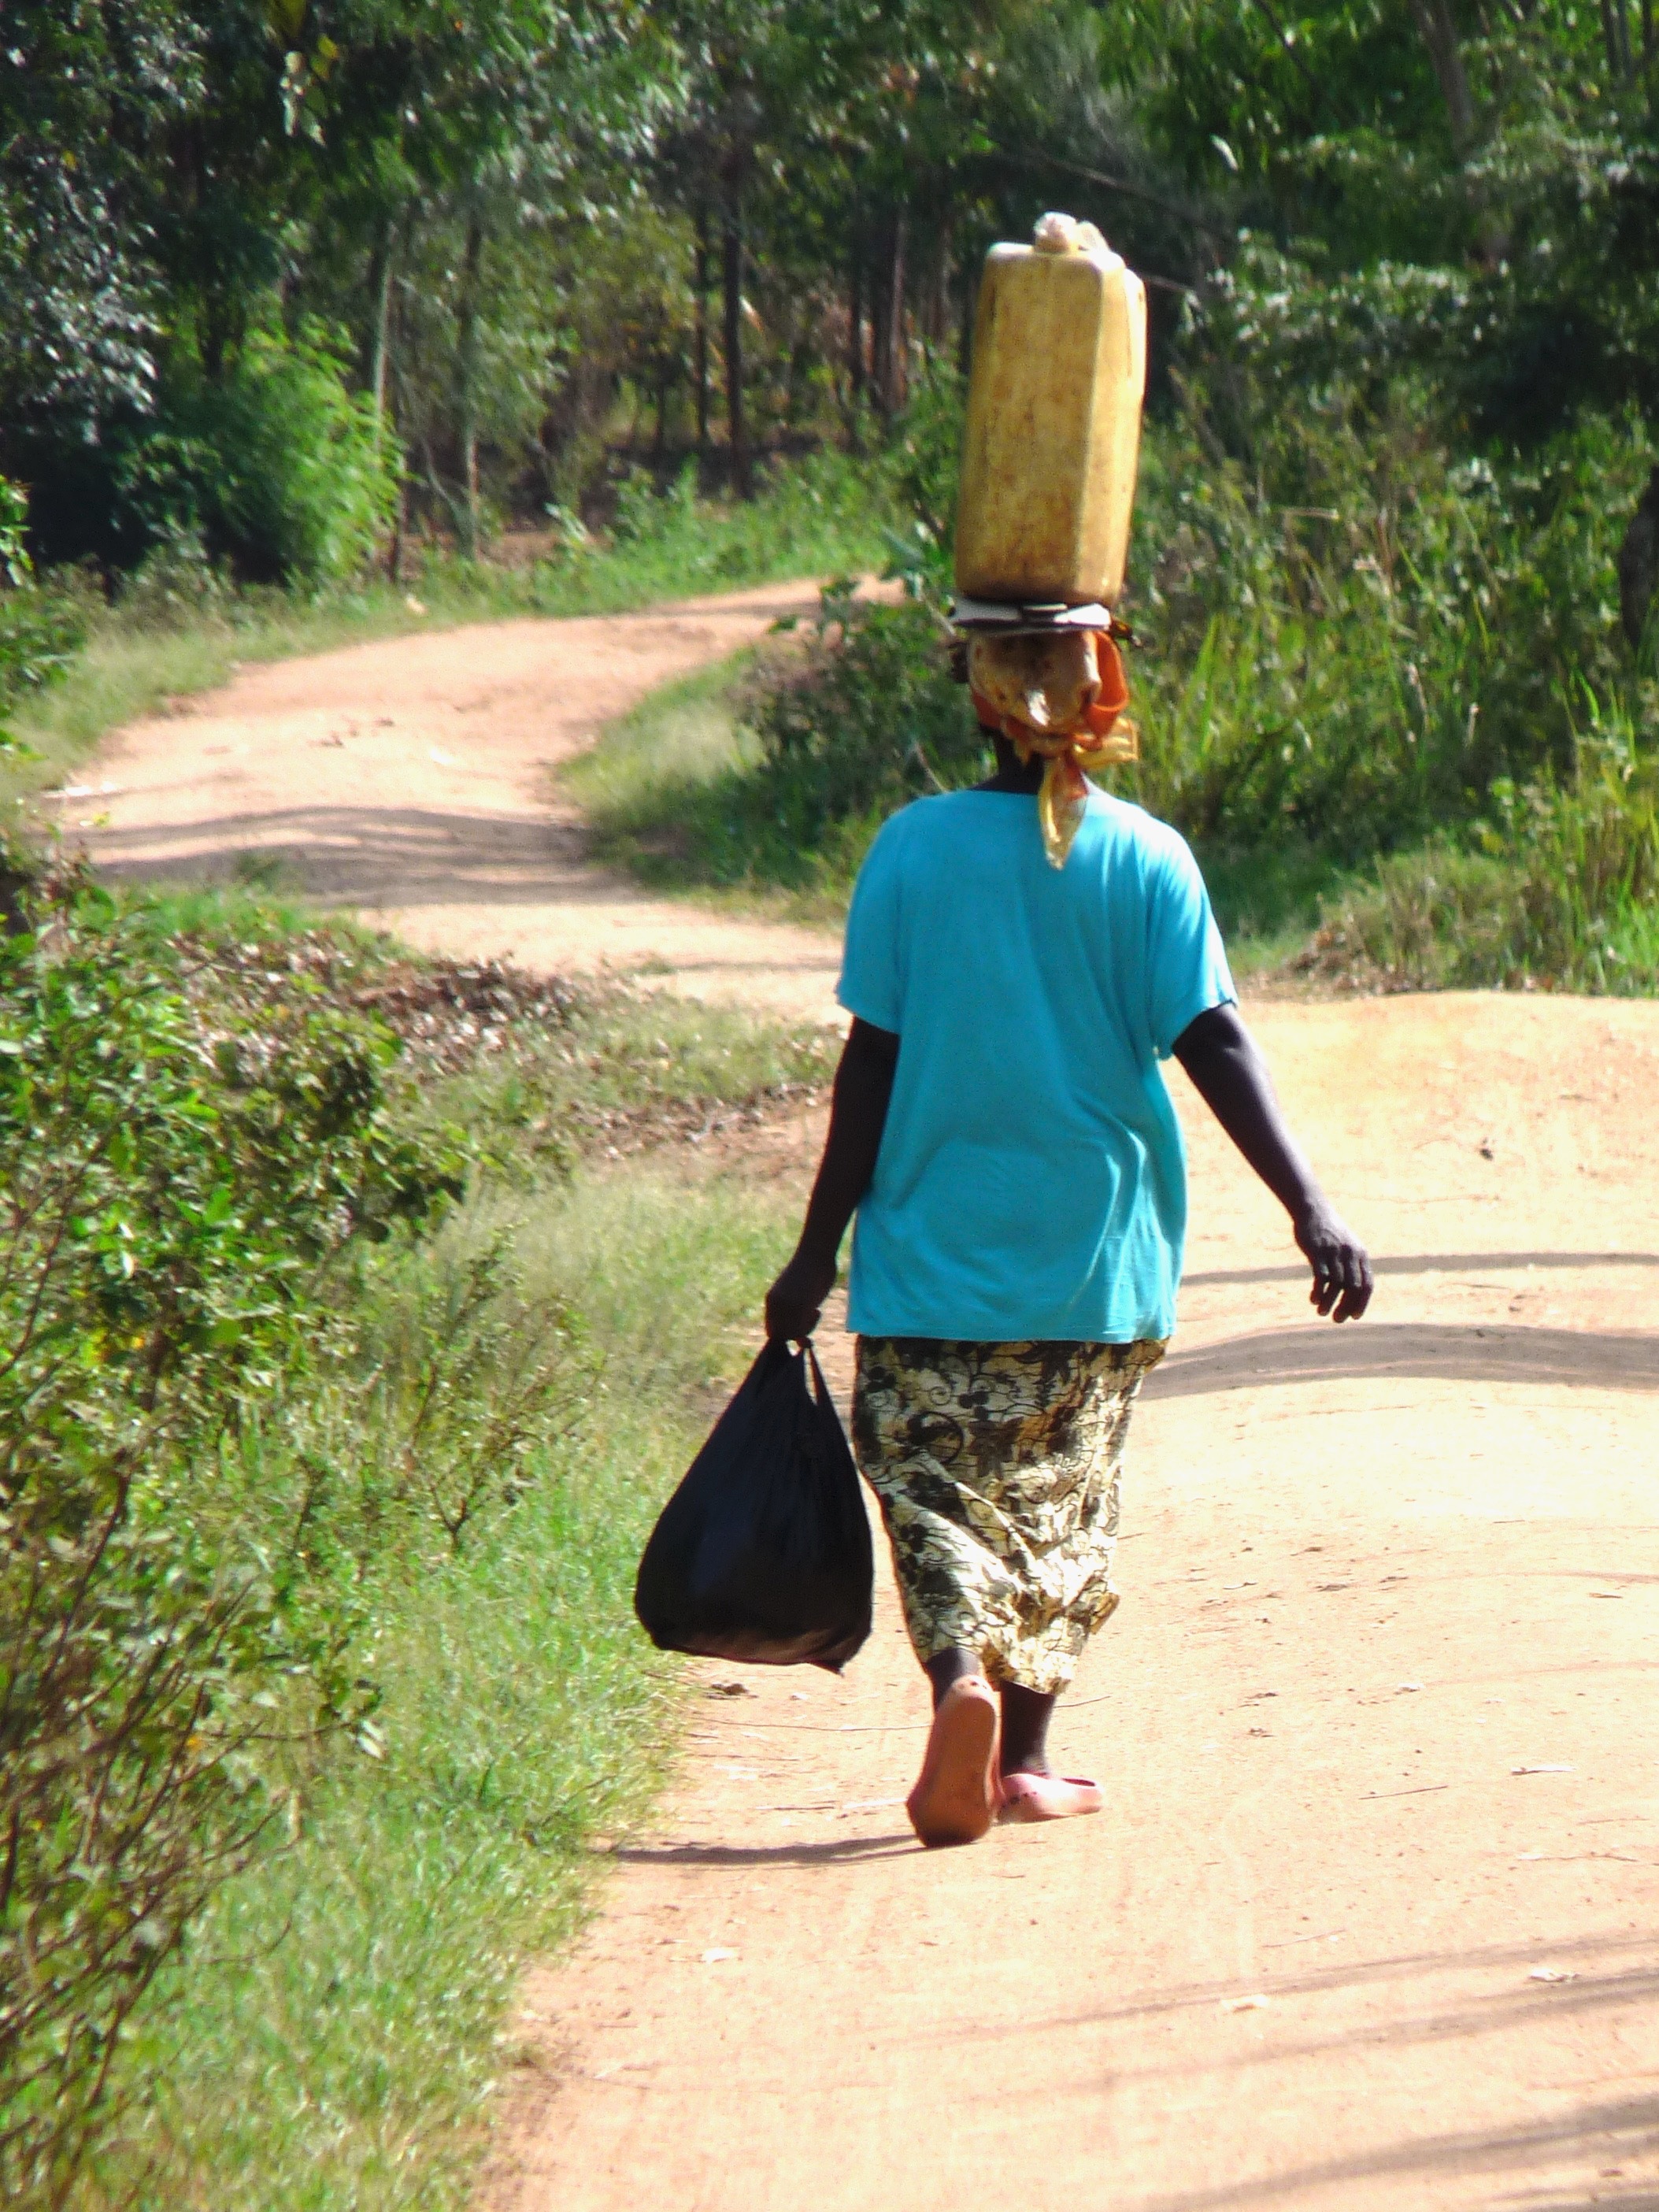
(674, 793)
(1445, 918)
(329, 2034)
(177, 633)
(343, 2017)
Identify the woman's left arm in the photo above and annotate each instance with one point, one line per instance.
(1229, 1075)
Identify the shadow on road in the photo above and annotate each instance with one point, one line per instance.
(368, 855)
(1430, 1263)
(1367, 1351)
(1618, 2130)
(1626, 2126)
(757, 1855)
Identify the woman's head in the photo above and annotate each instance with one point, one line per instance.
(1057, 696)
(1047, 683)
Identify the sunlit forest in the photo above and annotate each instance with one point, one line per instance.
(283, 270)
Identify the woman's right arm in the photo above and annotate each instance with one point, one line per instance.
(864, 1085)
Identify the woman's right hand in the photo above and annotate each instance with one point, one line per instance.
(794, 1305)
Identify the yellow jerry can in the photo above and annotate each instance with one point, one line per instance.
(1053, 421)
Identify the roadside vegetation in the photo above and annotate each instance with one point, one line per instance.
(515, 309)
(355, 1328)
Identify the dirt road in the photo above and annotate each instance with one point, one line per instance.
(1373, 1919)
(411, 780)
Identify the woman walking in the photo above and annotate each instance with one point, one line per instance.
(1019, 957)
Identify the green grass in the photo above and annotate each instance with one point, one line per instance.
(1268, 901)
(239, 910)
(671, 746)
(668, 789)
(1441, 919)
(345, 2010)
(673, 791)
(821, 517)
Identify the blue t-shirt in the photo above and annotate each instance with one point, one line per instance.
(1032, 1180)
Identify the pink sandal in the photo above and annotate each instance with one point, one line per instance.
(1047, 1797)
(954, 1801)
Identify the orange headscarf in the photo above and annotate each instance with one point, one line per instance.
(1093, 740)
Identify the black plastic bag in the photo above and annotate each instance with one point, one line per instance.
(762, 1554)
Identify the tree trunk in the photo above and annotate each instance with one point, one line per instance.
(381, 386)
(939, 310)
(700, 331)
(1610, 42)
(856, 322)
(895, 378)
(394, 554)
(731, 271)
(1638, 564)
(468, 317)
(1434, 21)
(881, 318)
(380, 291)
(213, 336)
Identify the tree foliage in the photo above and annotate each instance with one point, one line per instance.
(499, 220)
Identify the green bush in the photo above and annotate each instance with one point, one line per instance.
(179, 1184)
(1559, 888)
(868, 719)
(40, 631)
(318, 1507)
(1345, 646)
(1349, 642)
(277, 465)
(923, 460)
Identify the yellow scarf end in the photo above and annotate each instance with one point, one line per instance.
(1063, 800)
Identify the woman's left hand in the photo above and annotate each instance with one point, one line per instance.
(1341, 1267)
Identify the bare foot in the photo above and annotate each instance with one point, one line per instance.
(955, 1798)
(1030, 1796)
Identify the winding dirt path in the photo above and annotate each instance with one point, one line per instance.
(1373, 1918)
(410, 780)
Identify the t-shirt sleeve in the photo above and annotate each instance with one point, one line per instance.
(871, 984)
(1186, 970)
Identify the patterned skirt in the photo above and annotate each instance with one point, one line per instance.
(998, 1466)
